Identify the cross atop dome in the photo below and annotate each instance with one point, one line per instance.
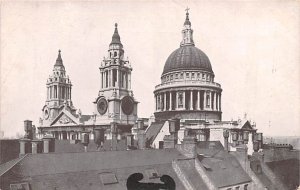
(187, 20)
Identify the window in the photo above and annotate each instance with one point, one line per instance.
(176, 76)
(246, 187)
(115, 54)
(187, 75)
(108, 178)
(198, 75)
(167, 78)
(181, 75)
(193, 75)
(203, 75)
(171, 77)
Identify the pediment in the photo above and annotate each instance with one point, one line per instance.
(65, 118)
(247, 125)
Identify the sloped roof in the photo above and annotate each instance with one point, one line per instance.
(153, 130)
(53, 163)
(223, 164)
(8, 165)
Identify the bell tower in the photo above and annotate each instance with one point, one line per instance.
(59, 90)
(115, 102)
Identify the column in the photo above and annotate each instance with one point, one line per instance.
(183, 99)
(170, 101)
(191, 100)
(215, 101)
(210, 99)
(129, 82)
(165, 101)
(117, 85)
(155, 102)
(101, 79)
(176, 105)
(58, 91)
(204, 100)
(220, 108)
(198, 100)
(160, 102)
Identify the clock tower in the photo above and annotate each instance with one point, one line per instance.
(115, 102)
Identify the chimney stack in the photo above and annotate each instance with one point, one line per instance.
(188, 146)
(28, 129)
(141, 139)
(114, 140)
(140, 124)
(129, 141)
(226, 135)
(99, 137)
(85, 140)
(234, 137)
(47, 144)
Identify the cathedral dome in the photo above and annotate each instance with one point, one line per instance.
(187, 57)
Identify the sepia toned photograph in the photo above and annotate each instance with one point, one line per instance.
(149, 95)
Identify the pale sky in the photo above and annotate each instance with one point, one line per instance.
(253, 47)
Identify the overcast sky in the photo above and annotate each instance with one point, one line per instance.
(253, 48)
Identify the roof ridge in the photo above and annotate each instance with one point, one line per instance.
(16, 160)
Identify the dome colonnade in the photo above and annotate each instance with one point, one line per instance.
(187, 88)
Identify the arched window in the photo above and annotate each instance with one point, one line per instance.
(115, 54)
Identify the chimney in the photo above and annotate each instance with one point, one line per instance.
(33, 132)
(85, 140)
(28, 129)
(99, 137)
(169, 141)
(255, 146)
(114, 140)
(140, 124)
(36, 146)
(24, 146)
(188, 146)
(129, 141)
(246, 136)
(226, 135)
(141, 139)
(47, 144)
(234, 137)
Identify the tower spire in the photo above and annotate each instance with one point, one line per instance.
(59, 61)
(116, 37)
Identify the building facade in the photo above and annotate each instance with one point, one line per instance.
(115, 106)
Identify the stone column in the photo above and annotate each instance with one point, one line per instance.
(117, 85)
(191, 100)
(183, 99)
(220, 108)
(198, 100)
(129, 81)
(204, 100)
(165, 101)
(176, 105)
(170, 101)
(160, 102)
